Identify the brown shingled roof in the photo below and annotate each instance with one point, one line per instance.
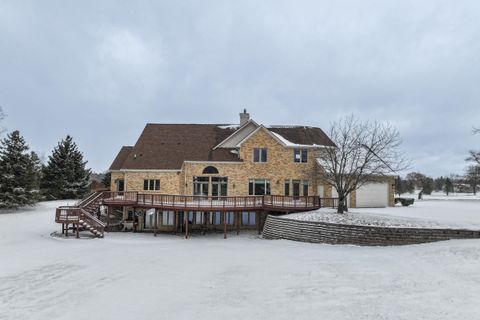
(167, 146)
(120, 158)
(303, 135)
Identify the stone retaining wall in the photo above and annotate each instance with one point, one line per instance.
(320, 232)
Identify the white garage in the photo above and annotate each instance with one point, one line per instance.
(372, 195)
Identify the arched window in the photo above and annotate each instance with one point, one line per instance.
(210, 170)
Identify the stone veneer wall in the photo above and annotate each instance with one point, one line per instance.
(319, 232)
(278, 168)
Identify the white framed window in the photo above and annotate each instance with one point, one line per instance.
(249, 218)
(168, 218)
(198, 217)
(300, 155)
(151, 184)
(260, 155)
(230, 217)
(215, 218)
(258, 187)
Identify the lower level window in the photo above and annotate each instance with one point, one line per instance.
(230, 217)
(215, 218)
(167, 218)
(198, 217)
(248, 218)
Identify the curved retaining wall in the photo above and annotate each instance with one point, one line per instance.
(320, 232)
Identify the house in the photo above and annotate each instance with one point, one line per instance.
(181, 177)
(218, 160)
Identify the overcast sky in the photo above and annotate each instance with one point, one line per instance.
(100, 70)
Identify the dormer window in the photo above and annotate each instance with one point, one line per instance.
(260, 155)
(300, 155)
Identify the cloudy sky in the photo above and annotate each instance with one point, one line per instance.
(100, 70)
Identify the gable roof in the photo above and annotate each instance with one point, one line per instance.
(167, 146)
(302, 135)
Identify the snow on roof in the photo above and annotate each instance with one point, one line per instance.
(229, 126)
(288, 143)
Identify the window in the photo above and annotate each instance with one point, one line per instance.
(200, 186)
(305, 187)
(287, 187)
(167, 218)
(198, 217)
(259, 155)
(248, 218)
(230, 218)
(258, 187)
(151, 184)
(296, 188)
(300, 155)
(215, 218)
(210, 170)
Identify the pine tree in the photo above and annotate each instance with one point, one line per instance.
(17, 173)
(65, 175)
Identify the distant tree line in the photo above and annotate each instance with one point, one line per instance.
(24, 180)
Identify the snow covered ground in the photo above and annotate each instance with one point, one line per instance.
(426, 213)
(137, 276)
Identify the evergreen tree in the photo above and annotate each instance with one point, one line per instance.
(107, 180)
(17, 173)
(65, 175)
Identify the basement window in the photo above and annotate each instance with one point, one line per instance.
(151, 184)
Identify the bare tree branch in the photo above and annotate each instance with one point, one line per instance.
(364, 152)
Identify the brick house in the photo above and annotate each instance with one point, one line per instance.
(216, 160)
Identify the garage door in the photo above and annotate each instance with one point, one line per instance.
(372, 195)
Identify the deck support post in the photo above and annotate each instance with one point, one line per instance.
(176, 221)
(63, 228)
(156, 223)
(260, 221)
(237, 218)
(205, 217)
(134, 219)
(186, 225)
(224, 225)
(66, 230)
(109, 210)
(78, 230)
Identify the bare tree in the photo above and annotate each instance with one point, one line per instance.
(364, 152)
(2, 116)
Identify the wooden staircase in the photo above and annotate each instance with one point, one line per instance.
(83, 215)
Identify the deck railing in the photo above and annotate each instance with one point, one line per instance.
(187, 202)
(67, 214)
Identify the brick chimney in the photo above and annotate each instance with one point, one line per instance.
(244, 117)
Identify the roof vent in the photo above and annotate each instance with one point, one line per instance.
(244, 117)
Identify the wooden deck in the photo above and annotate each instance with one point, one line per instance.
(203, 203)
(83, 215)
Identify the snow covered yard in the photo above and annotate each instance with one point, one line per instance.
(137, 276)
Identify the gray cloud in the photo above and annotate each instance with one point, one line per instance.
(101, 70)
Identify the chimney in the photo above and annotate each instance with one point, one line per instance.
(244, 117)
